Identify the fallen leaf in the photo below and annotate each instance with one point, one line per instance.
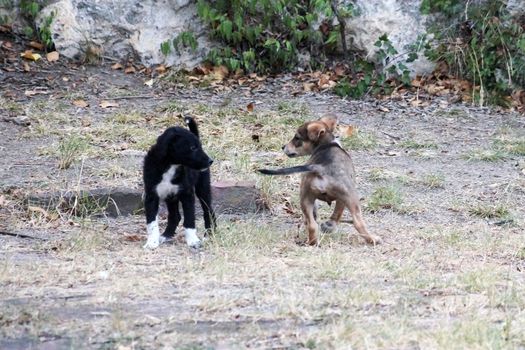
(133, 238)
(160, 69)
(415, 102)
(36, 45)
(43, 212)
(80, 103)
(383, 109)
(108, 104)
(35, 92)
(324, 28)
(465, 85)
(250, 107)
(130, 70)
(26, 67)
(416, 82)
(85, 122)
(339, 70)
(347, 130)
(149, 82)
(52, 56)
(220, 72)
(3, 201)
(202, 70)
(29, 55)
(323, 80)
(308, 86)
(117, 66)
(433, 89)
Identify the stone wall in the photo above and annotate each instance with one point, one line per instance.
(132, 28)
(401, 20)
(136, 28)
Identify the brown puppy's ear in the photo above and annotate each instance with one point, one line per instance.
(330, 121)
(315, 131)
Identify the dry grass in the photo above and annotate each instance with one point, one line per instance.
(254, 284)
(435, 283)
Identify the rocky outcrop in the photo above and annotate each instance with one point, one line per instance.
(401, 20)
(123, 29)
(228, 198)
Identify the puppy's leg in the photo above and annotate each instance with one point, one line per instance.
(308, 208)
(151, 205)
(203, 192)
(330, 225)
(173, 219)
(353, 205)
(190, 233)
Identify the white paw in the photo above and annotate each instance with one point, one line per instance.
(191, 238)
(153, 236)
(151, 244)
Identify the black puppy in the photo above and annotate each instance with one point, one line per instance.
(175, 170)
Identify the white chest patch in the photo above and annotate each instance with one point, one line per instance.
(165, 187)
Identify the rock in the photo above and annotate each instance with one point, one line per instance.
(22, 120)
(122, 28)
(516, 8)
(119, 28)
(228, 198)
(401, 20)
(236, 197)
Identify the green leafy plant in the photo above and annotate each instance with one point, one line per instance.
(266, 36)
(30, 10)
(378, 78)
(481, 43)
(8, 5)
(184, 40)
(71, 149)
(44, 31)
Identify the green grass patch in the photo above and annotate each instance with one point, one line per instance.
(489, 211)
(385, 197)
(360, 140)
(70, 149)
(433, 180)
(411, 144)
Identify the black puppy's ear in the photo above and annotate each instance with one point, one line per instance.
(192, 125)
(163, 144)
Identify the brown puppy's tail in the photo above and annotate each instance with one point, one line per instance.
(292, 170)
(192, 125)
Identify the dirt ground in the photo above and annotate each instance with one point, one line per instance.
(442, 184)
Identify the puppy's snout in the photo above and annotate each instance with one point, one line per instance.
(283, 147)
(210, 161)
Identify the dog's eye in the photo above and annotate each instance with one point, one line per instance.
(193, 148)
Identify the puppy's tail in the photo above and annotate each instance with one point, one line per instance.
(192, 125)
(292, 170)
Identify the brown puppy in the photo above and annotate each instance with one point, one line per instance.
(328, 176)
